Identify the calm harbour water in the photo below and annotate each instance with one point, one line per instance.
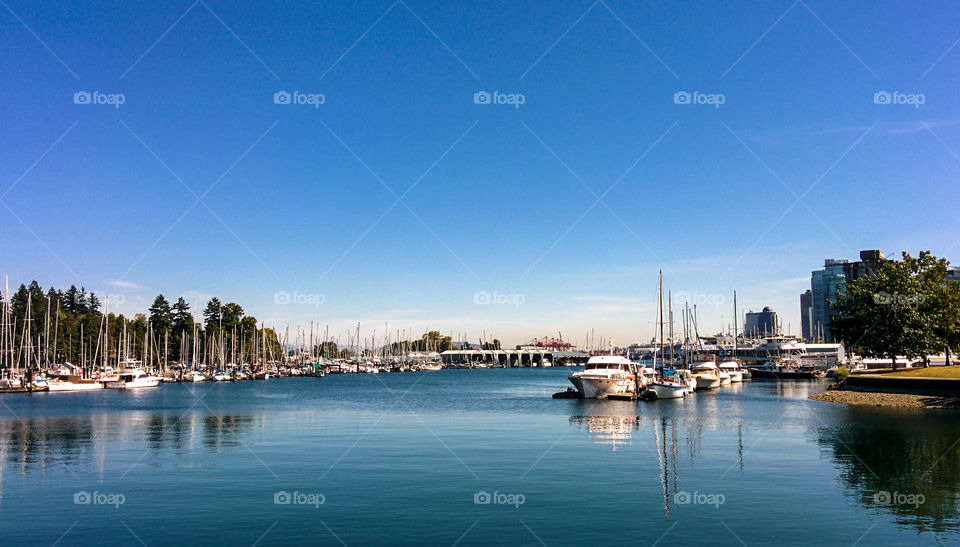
(403, 459)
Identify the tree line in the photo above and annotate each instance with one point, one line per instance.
(70, 325)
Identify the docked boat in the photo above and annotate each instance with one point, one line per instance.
(72, 382)
(732, 369)
(605, 375)
(265, 375)
(133, 378)
(787, 369)
(707, 375)
(193, 376)
(670, 386)
(431, 366)
(724, 377)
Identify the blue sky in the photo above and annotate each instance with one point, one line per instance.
(399, 200)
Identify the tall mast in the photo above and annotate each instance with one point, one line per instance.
(670, 318)
(735, 313)
(660, 311)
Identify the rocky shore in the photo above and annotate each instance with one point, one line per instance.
(897, 400)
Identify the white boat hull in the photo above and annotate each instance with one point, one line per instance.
(669, 391)
(708, 382)
(141, 382)
(598, 388)
(71, 386)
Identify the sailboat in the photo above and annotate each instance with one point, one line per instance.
(669, 385)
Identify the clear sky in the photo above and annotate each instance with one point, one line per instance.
(401, 200)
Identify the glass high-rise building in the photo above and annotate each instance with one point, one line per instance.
(825, 285)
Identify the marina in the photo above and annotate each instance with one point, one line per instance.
(226, 449)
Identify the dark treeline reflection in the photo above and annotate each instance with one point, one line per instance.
(905, 465)
(44, 442)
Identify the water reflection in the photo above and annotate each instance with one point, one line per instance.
(39, 443)
(903, 463)
(668, 433)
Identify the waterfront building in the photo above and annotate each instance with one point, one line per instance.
(759, 324)
(826, 283)
(806, 301)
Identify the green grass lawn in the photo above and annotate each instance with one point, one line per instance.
(952, 371)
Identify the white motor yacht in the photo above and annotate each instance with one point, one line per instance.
(133, 378)
(732, 368)
(707, 375)
(605, 375)
(72, 382)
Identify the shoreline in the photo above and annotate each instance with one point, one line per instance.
(887, 399)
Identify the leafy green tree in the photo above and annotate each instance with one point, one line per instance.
(895, 312)
(231, 315)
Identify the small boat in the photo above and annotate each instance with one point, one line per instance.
(787, 369)
(220, 376)
(193, 376)
(724, 377)
(732, 368)
(707, 375)
(72, 382)
(670, 386)
(265, 375)
(546, 363)
(605, 375)
(133, 378)
(431, 366)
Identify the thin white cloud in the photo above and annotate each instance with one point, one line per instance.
(120, 284)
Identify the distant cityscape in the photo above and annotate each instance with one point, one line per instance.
(815, 302)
